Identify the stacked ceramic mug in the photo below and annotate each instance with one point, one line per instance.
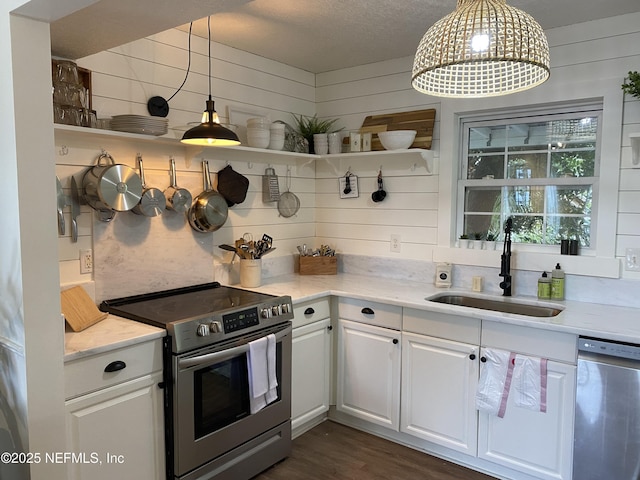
(258, 132)
(320, 143)
(276, 140)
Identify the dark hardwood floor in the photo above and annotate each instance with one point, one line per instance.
(332, 451)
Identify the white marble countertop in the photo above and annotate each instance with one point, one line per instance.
(580, 318)
(109, 334)
(589, 319)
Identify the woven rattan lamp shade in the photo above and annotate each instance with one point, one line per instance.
(484, 48)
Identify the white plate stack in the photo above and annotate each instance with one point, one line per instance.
(143, 124)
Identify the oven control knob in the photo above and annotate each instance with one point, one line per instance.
(284, 307)
(203, 330)
(275, 310)
(215, 327)
(265, 313)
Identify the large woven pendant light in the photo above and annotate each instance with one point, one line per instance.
(210, 132)
(484, 48)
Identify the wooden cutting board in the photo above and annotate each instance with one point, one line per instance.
(420, 120)
(79, 310)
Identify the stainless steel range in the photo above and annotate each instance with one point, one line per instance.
(210, 430)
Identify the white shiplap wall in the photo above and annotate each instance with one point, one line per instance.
(589, 61)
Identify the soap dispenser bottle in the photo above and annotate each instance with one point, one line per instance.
(557, 283)
(544, 286)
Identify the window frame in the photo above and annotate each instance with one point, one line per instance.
(515, 116)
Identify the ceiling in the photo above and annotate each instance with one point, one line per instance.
(313, 35)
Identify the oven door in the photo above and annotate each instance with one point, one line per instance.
(211, 399)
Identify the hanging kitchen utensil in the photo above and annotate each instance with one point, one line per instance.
(209, 210)
(178, 199)
(379, 195)
(110, 187)
(348, 185)
(62, 202)
(75, 209)
(270, 186)
(232, 185)
(152, 202)
(289, 203)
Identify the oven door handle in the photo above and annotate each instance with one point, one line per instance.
(217, 357)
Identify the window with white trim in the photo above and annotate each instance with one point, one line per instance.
(540, 170)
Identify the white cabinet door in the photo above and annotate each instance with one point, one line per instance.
(369, 373)
(536, 443)
(310, 372)
(439, 379)
(118, 432)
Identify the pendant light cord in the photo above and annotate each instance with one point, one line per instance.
(209, 34)
(188, 66)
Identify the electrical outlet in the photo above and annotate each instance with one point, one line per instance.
(632, 259)
(395, 243)
(86, 261)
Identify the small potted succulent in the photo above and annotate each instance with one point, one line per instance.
(490, 241)
(631, 84)
(477, 240)
(307, 127)
(463, 241)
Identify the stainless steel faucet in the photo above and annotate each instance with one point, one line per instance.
(505, 260)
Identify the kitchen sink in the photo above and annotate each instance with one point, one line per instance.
(506, 306)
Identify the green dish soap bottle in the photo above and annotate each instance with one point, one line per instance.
(557, 283)
(544, 286)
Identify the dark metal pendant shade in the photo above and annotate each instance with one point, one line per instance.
(209, 132)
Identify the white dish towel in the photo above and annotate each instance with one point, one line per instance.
(261, 364)
(495, 382)
(530, 383)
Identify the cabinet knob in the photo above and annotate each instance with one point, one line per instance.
(472, 356)
(367, 311)
(329, 328)
(309, 311)
(161, 385)
(115, 366)
(483, 359)
(395, 341)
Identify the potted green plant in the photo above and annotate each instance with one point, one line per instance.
(477, 240)
(309, 126)
(490, 241)
(463, 241)
(631, 84)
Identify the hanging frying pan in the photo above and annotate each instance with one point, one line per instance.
(152, 202)
(209, 210)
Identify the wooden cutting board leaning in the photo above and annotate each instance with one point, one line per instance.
(420, 120)
(79, 310)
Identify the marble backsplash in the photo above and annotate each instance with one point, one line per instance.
(144, 264)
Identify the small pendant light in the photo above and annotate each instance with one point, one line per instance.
(210, 133)
(484, 48)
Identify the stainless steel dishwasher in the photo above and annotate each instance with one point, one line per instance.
(607, 422)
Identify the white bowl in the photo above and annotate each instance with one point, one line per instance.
(397, 139)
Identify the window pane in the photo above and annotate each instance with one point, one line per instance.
(572, 163)
(528, 229)
(482, 224)
(527, 165)
(486, 166)
(483, 199)
(525, 199)
(570, 200)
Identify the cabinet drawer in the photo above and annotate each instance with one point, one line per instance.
(372, 313)
(308, 312)
(88, 374)
(530, 341)
(441, 325)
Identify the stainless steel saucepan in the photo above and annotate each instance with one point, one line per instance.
(152, 202)
(178, 199)
(209, 210)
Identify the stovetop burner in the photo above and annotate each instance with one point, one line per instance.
(162, 308)
(201, 315)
